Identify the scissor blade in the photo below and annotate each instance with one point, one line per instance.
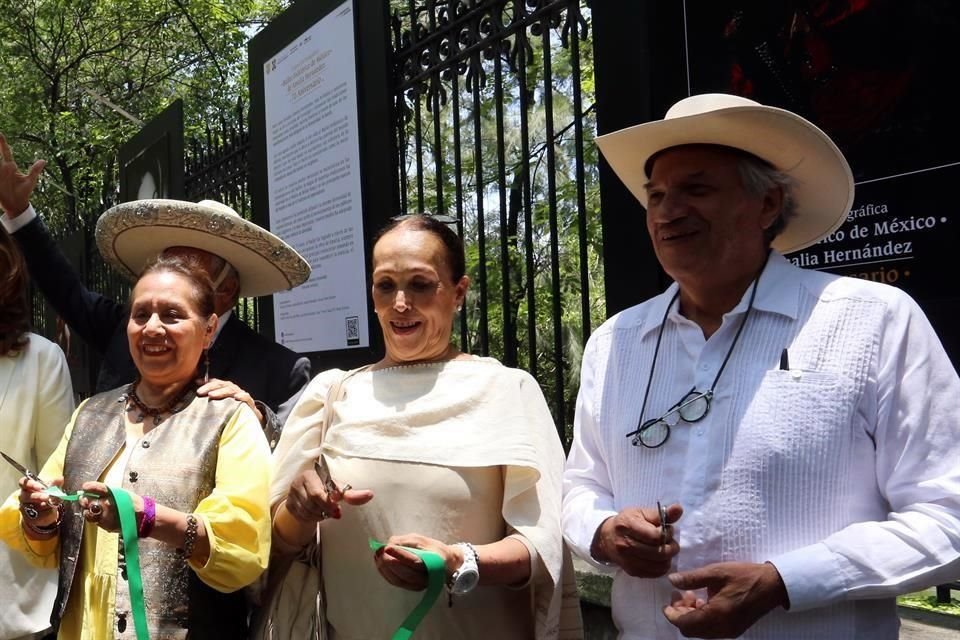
(16, 465)
(322, 470)
(662, 510)
(22, 469)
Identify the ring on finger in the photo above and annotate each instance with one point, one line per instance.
(95, 508)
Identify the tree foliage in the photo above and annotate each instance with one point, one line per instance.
(79, 77)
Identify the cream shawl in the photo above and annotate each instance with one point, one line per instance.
(460, 413)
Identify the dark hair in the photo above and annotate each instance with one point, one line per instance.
(452, 244)
(14, 307)
(189, 268)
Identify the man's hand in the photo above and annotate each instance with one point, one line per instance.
(217, 389)
(738, 594)
(633, 540)
(15, 187)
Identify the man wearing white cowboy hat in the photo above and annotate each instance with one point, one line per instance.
(241, 259)
(760, 450)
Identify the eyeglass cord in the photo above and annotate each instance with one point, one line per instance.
(723, 365)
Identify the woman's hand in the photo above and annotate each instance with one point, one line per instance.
(35, 500)
(406, 570)
(102, 511)
(309, 501)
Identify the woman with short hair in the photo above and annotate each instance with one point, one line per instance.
(197, 471)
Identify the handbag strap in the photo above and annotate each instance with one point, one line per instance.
(334, 394)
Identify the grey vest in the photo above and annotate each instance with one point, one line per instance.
(175, 463)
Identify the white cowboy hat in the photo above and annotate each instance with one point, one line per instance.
(131, 234)
(824, 183)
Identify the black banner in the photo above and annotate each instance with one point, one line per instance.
(875, 75)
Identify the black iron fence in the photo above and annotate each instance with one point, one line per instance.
(494, 109)
(217, 167)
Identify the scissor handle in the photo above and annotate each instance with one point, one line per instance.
(36, 478)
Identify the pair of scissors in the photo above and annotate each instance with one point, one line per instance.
(662, 510)
(55, 494)
(320, 466)
(28, 509)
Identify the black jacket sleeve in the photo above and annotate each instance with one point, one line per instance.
(92, 316)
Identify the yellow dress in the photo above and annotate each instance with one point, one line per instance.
(235, 515)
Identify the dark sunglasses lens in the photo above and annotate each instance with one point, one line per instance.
(694, 406)
(654, 433)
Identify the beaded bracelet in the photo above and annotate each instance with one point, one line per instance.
(149, 517)
(190, 537)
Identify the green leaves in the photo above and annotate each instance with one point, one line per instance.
(71, 69)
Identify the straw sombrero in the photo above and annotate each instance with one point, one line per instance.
(131, 234)
(824, 183)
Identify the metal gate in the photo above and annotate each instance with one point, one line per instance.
(495, 121)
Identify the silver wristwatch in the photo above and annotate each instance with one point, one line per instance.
(467, 576)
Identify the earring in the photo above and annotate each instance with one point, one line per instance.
(459, 307)
(206, 365)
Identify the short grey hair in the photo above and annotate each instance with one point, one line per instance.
(221, 271)
(758, 177)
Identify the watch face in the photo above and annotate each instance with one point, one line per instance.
(465, 581)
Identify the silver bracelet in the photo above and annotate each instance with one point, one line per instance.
(43, 531)
(190, 537)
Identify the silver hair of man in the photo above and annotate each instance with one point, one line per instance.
(758, 177)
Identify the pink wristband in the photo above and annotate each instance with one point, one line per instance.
(149, 517)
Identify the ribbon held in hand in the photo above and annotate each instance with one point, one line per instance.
(436, 576)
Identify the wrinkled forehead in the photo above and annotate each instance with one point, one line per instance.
(731, 154)
(171, 283)
(409, 248)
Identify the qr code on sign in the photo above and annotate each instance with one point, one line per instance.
(353, 331)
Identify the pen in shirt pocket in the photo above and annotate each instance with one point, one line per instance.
(796, 374)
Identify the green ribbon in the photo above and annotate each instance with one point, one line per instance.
(57, 492)
(436, 576)
(131, 549)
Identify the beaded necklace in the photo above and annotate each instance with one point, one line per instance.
(154, 412)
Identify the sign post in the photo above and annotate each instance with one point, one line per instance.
(320, 97)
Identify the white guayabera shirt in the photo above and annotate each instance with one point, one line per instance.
(843, 471)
